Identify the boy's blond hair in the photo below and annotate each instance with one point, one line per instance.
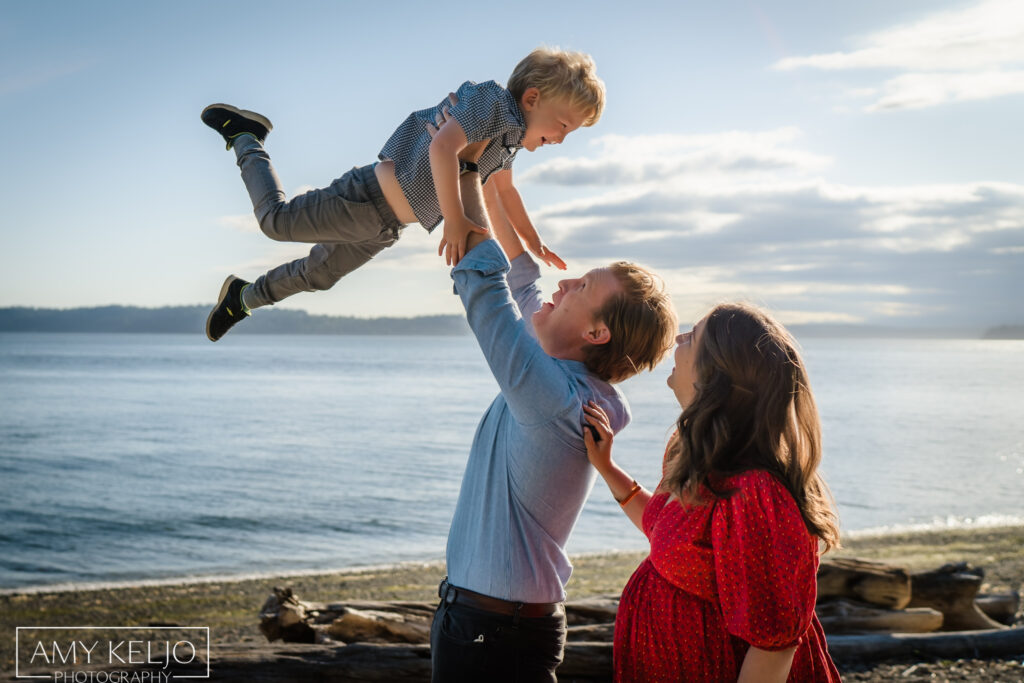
(559, 73)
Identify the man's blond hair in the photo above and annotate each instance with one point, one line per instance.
(559, 73)
(642, 323)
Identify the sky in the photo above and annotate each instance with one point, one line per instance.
(853, 163)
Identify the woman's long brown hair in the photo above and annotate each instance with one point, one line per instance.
(753, 409)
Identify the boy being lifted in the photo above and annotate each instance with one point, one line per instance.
(550, 94)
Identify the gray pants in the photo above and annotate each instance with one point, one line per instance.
(349, 222)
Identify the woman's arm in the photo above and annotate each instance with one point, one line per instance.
(766, 666)
(624, 488)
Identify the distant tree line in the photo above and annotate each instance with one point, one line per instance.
(192, 320)
(1005, 332)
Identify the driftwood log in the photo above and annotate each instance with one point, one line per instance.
(388, 641)
(1002, 607)
(951, 589)
(285, 617)
(840, 615)
(871, 582)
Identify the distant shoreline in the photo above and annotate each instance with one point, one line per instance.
(191, 320)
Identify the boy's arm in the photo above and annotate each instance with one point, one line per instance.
(512, 205)
(506, 235)
(524, 272)
(444, 166)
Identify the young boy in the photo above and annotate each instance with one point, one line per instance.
(550, 94)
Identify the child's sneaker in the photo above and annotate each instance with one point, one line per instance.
(229, 309)
(231, 122)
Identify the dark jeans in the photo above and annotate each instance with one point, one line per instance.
(471, 645)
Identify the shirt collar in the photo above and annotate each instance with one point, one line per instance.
(513, 139)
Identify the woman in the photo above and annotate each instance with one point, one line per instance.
(728, 590)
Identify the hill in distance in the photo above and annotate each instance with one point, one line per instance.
(192, 320)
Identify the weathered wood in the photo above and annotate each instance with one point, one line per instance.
(871, 582)
(356, 625)
(591, 632)
(330, 663)
(947, 645)
(1002, 607)
(584, 661)
(951, 589)
(840, 615)
(285, 617)
(599, 609)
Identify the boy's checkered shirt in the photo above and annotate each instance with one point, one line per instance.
(486, 111)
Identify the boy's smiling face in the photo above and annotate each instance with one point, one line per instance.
(548, 119)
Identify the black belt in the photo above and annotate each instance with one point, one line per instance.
(451, 594)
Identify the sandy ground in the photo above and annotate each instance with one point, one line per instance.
(230, 608)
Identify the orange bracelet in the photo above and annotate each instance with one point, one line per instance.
(632, 494)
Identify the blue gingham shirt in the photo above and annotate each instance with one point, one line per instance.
(486, 111)
(528, 476)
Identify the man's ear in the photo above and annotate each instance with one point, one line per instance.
(531, 96)
(599, 334)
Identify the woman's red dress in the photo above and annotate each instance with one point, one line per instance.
(722, 577)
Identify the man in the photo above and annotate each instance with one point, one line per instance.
(500, 617)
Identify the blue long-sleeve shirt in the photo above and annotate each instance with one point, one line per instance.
(528, 475)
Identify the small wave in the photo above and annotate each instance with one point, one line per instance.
(993, 521)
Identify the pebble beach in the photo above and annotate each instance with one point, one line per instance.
(230, 607)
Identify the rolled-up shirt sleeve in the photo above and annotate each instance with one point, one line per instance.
(522, 281)
(534, 385)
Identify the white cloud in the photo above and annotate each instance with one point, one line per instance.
(653, 158)
(919, 90)
(969, 54)
(795, 241)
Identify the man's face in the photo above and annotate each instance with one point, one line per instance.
(567, 324)
(548, 119)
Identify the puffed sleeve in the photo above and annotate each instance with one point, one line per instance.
(765, 563)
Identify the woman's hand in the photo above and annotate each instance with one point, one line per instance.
(599, 449)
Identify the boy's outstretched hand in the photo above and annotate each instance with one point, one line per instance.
(547, 256)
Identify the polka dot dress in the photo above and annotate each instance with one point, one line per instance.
(720, 578)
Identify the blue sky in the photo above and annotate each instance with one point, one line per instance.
(836, 162)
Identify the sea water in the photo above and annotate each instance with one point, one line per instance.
(156, 457)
